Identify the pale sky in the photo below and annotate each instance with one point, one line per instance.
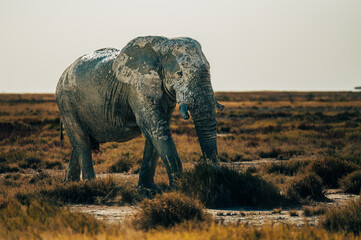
(250, 44)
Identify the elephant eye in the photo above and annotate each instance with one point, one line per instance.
(180, 74)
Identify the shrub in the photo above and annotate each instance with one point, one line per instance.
(12, 156)
(122, 165)
(222, 187)
(13, 159)
(41, 177)
(5, 168)
(130, 194)
(3, 202)
(97, 191)
(81, 192)
(30, 162)
(274, 153)
(346, 218)
(53, 165)
(305, 186)
(168, 210)
(289, 168)
(351, 183)
(224, 157)
(293, 213)
(312, 211)
(331, 170)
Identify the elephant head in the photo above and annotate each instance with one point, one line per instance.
(158, 66)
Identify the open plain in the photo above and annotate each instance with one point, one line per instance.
(291, 162)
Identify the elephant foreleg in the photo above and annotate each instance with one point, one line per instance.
(153, 122)
(147, 170)
(170, 158)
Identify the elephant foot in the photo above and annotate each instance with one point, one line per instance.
(88, 176)
(72, 176)
(173, 179)
(152, 188)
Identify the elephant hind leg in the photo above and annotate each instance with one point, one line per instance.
(81, 158)
(73, 170)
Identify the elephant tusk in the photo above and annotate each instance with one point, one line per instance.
(183, 111)
(220, 106)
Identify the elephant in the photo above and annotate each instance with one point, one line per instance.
(112, 95)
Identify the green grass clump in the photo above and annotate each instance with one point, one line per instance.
(305, 186)
(346, 218)
(351, 183)
(167, 210)
(332, 169)
(222, 187)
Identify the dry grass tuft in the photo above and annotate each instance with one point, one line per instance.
(313, 211)
(223, 187)
(331, 169)
(19, 222)
(96, 191)
(167, 210)
(351, 183)
(346, 218)
(305, 186)
(289, 168)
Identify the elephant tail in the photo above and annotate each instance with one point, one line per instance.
(61, 133)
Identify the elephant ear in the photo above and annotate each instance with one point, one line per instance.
(138, 65)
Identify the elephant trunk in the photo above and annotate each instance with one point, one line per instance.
(198, 97)
(207, 135)
(204, 119)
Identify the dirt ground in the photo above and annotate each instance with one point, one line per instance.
(244, 216)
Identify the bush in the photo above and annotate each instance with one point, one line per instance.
(312, 211)
(331, 170)
(274, 153)
(30, 162)
(347, 218)
(97, 191)
(121, 166)
(305, 186)
(81, 192)
(351, 183)
(222, 187)
(288, 168)
(168, 210)
(5, 168)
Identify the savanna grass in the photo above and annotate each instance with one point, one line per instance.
(30, 222)
(167, 210)
(331, 169)
(289, 168)
(304, 186)
(313, 211)
(96, 191)
(224, 187)
(351, 183)
(344, 219)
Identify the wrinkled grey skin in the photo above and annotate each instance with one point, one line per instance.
(111, 95)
